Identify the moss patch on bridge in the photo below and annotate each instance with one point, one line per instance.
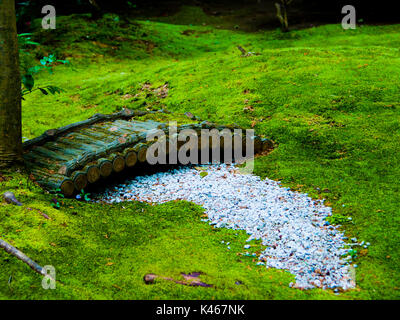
(328, 97)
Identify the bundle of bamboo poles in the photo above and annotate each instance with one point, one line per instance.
(69, 161)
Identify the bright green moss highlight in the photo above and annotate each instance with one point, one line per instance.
(329, 98)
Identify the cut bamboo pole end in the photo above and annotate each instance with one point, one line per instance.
(141, 150)
(118, 162)
(130, 158)
(92, 173)
(105, 167)
(80, 180)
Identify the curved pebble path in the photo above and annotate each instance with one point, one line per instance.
(291, 225)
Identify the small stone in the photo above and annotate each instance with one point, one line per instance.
(189, 115)
(290, 225)
(149, 278)
(9, 197)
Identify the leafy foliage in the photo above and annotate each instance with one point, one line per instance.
(46, 63)
(83, 196)
(56, 202)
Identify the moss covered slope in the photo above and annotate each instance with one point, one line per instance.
(328, 97)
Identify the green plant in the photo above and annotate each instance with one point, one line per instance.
(24, 39)
(28, 71)
(353, 253)
(55, 202)
(337, 219)
(83, 196)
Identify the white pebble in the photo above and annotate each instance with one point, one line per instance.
(291, 225)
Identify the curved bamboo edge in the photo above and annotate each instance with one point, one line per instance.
(92, 166)
(52, 134)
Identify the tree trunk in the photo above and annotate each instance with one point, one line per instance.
(10, 87)
(281, 13)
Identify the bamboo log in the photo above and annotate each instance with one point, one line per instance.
(100, 135)
(238, 140)
(128, 128)
(104, 137)
(126, 125)
(118, 162)
(110, 138)
(100, 148)
(105, 166)
(73, 144)
(148, 123)
(60, 147)
(178, 143)
(141, 150)
(130, 157)
(92, 172)
(44, 168)
(35, 160)
(258, 144)
(46, 172)
(140, 125)
(116, 145)
(163, 145)
(113, 129)
(85, 139)
(53, 182)
(52, 134)
(225, 138)
(80, 180)
(46, 153)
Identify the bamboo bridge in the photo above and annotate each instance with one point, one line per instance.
(70, 158)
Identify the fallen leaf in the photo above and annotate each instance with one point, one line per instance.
(203, 174)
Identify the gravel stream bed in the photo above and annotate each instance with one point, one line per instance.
(291, 225)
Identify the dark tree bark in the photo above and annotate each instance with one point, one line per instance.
(281, 13)
(96, 10)
(10, 87)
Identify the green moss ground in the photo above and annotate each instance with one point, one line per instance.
(328, 97)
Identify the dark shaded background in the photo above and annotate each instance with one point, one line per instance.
(313, 12)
